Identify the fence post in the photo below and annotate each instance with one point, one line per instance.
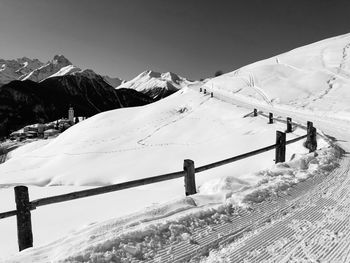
(24, 222)
(255, 112)
(311, 139)
(309, 124)
(205, 91)
(270, 118)
(190, 181)
(200, 89)
(280, 154)
(289, 124)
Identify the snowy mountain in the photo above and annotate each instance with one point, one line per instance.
(17, 68)
(156, 85)
(67, 70)
(35, 70)
(50, 68)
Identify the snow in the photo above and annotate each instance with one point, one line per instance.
(150, 80)
(140, 234)
(50, 68)
(28, 147)
(313, 78)
(65, 71)
(127, 144)
(271, 180)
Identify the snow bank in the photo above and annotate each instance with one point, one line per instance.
(27, 147)
(269, 182)
(141, 235)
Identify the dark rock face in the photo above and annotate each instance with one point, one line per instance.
(27, 102)
(158, 93)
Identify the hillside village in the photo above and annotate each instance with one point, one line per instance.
(46, 130)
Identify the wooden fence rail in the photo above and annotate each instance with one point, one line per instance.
(104, 189)
(24, 206)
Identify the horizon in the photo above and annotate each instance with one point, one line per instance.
(190, 38)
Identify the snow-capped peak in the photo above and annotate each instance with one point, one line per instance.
(47, 70)
(151, 74)
(155, 84)
(171, 77)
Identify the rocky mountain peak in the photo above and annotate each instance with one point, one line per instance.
(60, 59)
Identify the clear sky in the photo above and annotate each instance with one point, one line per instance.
(193, 38)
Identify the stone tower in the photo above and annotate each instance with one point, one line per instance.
(71, 115)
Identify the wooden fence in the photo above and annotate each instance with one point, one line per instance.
(24, 205)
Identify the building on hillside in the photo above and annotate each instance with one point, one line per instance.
(50, 133)
(71, 115)
(31, 131)
(18, 135)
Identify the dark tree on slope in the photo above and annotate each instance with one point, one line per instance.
(218, 73)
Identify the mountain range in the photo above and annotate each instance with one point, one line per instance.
(156, 85)
(32, 91)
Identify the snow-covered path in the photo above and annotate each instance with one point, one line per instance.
(310, 224)
(315, 228)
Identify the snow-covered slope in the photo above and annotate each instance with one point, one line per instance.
(14, 69)
(183, 125)
(67, 70)
(315, 78)
(133, 143)
(157, 85)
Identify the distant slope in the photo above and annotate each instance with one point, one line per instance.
(26, 102)
(315, 78)
(156, 85)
